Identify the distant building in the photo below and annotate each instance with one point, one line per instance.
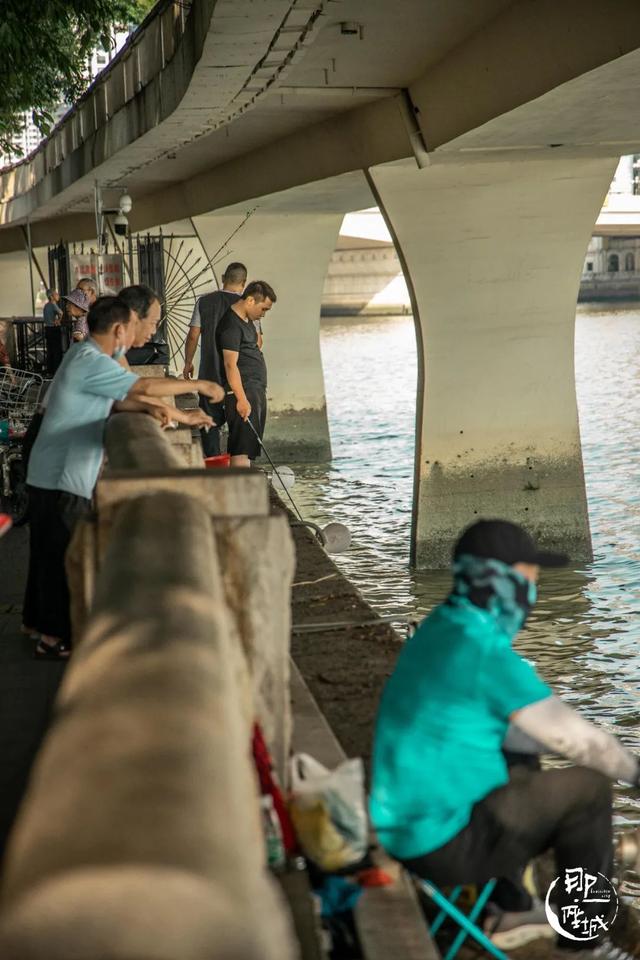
(624, 177)
(101, 58)
(30, 137)
(611, 269)
(365, 276)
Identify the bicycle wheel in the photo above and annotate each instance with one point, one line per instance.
(17, 503)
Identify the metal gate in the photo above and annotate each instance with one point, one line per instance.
(174, 266)
(58, 257)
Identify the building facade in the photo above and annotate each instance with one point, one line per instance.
(611, 269)
(30, 137)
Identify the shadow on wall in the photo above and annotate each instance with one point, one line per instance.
(6, 344)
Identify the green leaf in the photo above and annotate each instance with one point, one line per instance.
(44, 47)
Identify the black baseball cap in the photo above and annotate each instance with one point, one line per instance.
(505, 541)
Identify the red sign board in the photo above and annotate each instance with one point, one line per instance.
(106, 271)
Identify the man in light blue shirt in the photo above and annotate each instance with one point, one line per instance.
(67, 454)
(68, 451)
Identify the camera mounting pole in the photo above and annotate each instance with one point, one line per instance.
(97, 194)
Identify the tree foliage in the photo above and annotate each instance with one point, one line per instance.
(44, 49)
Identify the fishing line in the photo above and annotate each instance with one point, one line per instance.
(275, 470)
(335, 537)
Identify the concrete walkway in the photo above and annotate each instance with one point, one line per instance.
(27, 686)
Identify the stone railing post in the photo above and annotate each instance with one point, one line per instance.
(140, 834)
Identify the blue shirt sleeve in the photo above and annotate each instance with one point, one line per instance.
(510, 683)
(103, 377)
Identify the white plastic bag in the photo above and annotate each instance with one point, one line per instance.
(328, 811)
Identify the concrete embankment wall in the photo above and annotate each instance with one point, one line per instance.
(140, 835)
(344, 651)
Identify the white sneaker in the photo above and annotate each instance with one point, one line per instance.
(508, 931)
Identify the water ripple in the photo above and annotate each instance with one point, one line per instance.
(583, 635)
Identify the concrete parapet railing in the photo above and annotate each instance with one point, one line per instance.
(140, 837)
(136, 442)
(144, 446)
(153, 370)
(257, 572)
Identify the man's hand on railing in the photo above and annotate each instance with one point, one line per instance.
(163, 412)
(193, 418)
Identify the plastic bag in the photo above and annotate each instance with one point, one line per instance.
(328, 811)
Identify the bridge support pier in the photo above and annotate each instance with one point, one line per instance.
(291, 251)
(492, 253)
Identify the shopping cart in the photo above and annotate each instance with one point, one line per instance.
(20, 393)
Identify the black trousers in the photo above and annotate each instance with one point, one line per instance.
(53, 339)
(567, 811)
(53, 515)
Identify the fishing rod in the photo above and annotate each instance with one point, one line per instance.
(335, 537)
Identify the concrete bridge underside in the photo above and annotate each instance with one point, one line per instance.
(487, 131)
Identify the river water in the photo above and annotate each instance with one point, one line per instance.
(584, 633)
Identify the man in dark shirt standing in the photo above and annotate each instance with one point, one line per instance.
(245, 371)
(52, 316)
(52, 313)
(208, 312)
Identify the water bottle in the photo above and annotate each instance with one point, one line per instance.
(272, 834)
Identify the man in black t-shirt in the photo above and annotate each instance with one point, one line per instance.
(207, 314)
(245, 371)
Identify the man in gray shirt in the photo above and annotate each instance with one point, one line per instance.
(207, 314)
(52, 316)
(52, 313)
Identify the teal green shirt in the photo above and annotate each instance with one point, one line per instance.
(442, 719)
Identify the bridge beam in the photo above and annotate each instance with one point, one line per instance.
(291, 251)
(492, 253)
(15, 281)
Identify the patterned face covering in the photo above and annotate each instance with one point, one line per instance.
(496, 587)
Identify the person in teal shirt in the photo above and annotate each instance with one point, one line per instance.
(443, 799)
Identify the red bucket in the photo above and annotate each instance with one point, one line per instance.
(222, 460)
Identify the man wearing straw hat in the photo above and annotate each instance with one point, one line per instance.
(78, 303)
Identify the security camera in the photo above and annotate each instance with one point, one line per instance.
(121, 225)
(125, 203)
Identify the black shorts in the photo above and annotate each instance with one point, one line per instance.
(242, 439)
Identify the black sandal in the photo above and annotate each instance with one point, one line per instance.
(60, 650)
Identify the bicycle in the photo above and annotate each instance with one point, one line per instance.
(20, 393)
